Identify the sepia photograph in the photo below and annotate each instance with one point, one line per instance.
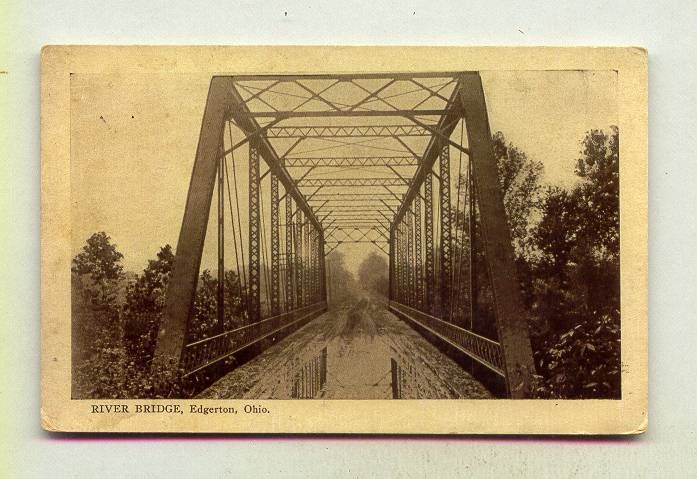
(405, 234)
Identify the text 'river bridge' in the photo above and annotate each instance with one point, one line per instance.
(400, 162)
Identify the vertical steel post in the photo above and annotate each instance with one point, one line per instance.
(398, 262)
(290, 302)
(313, 269)
(403, 262)
(417, 253)
(410, 259)
(299, 274)
(306, 263)
(220, 290)
(275, 246)
(254, 303)
(390, 289)
(428, 231)
(472, 232)
(329, 288)
(323, 269)
(445, 231)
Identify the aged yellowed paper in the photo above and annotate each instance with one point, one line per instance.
(344, 240)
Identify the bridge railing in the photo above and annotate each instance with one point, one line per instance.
(206, 352)
(481, 349)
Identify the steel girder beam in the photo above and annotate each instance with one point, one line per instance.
(390, 288)
(445, 231)
(353, 196)
(254, 301)
(358, 207)
(511, 321)
(403, 247)
(290, 280)
(275, 247)
(307, 264)
(347, 76)
(411, 287)
(428, 248)
(313, 270)
(285, 114)
(357, 223)
(352, 212)
(299, 275)
(346, 131)
(220, 297)
(342, 241)
(348, 161)
(329, 182)
(417, 253)
(323, 266)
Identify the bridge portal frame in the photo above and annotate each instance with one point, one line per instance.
(466, 103)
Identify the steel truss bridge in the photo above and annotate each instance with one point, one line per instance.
(302, 164)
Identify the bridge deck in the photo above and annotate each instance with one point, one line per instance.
(357, 351)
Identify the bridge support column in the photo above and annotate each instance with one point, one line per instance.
(402, 264)
(410, 259)
(306, 263)
(417, 254)
(275, 246)
(220, 293)
(290, 293)
(428, 232)
(323, 268)
(510, 315)
(390, 292)
(445, 232)
(299, 274)
(254, 303)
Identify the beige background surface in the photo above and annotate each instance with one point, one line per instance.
(61, 64)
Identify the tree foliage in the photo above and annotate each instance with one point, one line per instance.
(520, 178)
(341, 282)
(142, 311)
(576, 326)
(98, 267)
(373, 274)
(119, 364)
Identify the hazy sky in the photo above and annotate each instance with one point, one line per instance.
(134, 139)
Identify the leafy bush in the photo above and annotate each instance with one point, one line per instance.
(583, 362)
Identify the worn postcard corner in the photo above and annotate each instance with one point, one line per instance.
(344, 240)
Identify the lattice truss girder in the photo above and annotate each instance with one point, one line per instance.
(359, 95)
(383, 121)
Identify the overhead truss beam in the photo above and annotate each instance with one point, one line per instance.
(285, 114)
(346, 131)
(352, 182)
(352, 161)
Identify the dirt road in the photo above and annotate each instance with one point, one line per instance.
(357, 351)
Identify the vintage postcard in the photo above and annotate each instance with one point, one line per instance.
(392, 240)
